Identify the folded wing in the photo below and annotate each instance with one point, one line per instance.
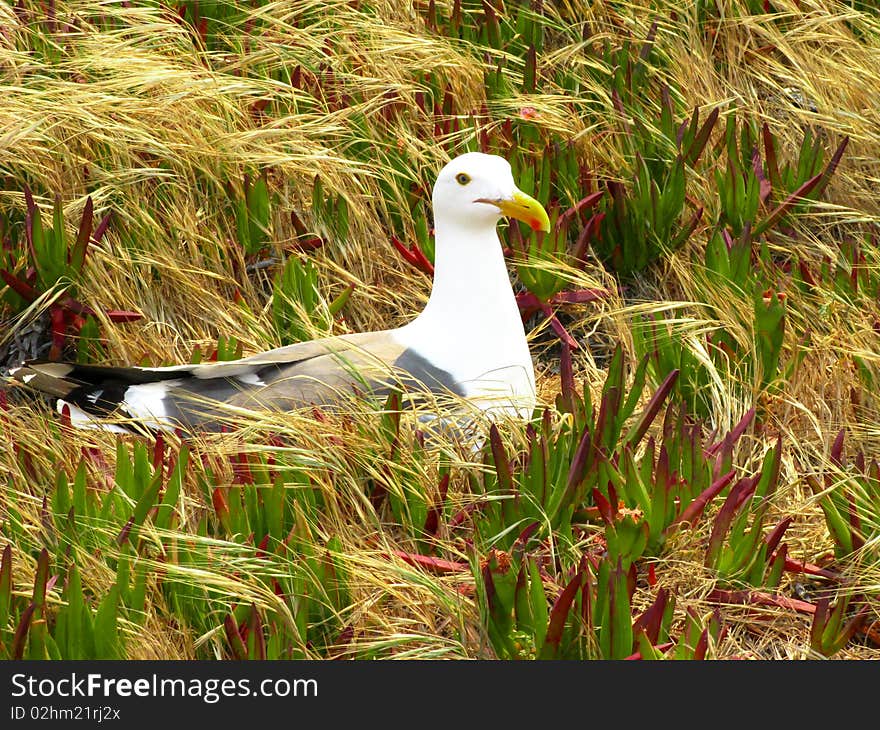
(205, 396)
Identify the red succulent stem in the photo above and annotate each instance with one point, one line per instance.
(58, 318)
(584, 203)
(796, 566)
(561, 332)
(414, 255)
(760, 598)
(431, 564)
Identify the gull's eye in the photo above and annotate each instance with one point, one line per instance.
(462, 178)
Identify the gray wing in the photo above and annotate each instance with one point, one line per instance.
(317, 373)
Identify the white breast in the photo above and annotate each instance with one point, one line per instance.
(492, 365)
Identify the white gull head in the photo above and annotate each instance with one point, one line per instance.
(475, 190)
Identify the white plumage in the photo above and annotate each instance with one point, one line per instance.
(469, 339)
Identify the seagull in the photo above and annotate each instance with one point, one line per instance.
(468, 341)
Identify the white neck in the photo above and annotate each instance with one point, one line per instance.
(471, 326)
(471, 284)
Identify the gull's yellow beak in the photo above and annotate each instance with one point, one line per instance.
(524, 208)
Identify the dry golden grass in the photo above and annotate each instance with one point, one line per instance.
(127, 106)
